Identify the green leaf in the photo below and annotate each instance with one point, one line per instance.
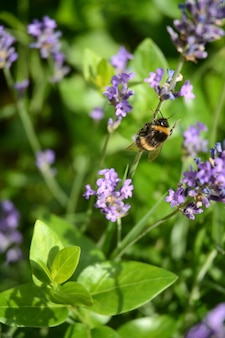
(82, 331)
(70, 235)
(104, 74)
(27, 305)
(71, 293)
(154, 327)
(65, 264)
(45, 245)
(41, 273)
(118, 287)
(97, 70)
(104, 332)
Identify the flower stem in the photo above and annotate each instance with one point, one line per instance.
(50, 181)
(140, 230)
(135, 164)
(171, 85)
(216, 116)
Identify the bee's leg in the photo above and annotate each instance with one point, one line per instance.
(171, 130)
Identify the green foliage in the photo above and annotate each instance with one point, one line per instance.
(118, 287)
(106, 287)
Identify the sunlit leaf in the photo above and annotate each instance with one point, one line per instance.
(117, 287)
(65, 264)
(27, 305)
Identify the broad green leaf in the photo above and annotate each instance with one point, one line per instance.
(27, 305)
(147, 58)
(104, 74)
(70, 235)
(45, 245)
(71, 293)
(82, 331)
(65, 264)
(118, 287)
(154, 327)
(41, 273)
(90, 64)
(104, 332)
(78, 330)
(98, 71)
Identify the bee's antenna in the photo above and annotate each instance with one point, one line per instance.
(170, 116)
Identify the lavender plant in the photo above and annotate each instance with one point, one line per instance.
(100, 258)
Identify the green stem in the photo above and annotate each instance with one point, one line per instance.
(50, 181)
(140, 230)
(119, 228)
(172, 83)
(201, 274)
(216, 116)
(135, 164)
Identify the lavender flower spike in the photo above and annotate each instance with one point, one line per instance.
(118, 94)
(110, 194)
(119, 61)
(10, 237)
(212, 326)
(44, 159)
(199, 25)
(7, 52)
(193, 143)
(200, 186)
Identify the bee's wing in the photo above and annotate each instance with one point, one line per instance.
(152, 155)
(133, 147)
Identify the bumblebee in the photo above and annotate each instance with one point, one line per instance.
(151, 137)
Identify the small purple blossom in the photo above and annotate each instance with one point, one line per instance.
(200, 186)
(21, 87)
(119, 61)
(186, 91)
(47, 41)
(166, 90)
(7, 52)
(10, 237)
(154, 79)
(193, 142)
(198, 26)
(60, 70)
(110, 193)
(44, 159)
(118, 94)
(212, 326)
(97, 114)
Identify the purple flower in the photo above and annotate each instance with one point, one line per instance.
(198, 26)
(200, 186)
(154, 79)
(110, 193)
(166, 91)
(7, 52)
(186, 91)
(21, 87)
(60, 70)
(10, 237)
(119, 61)
(44, 159)
(47, 41)
(97, 114)
(212, 326)
(193, 143)
(118, 94)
